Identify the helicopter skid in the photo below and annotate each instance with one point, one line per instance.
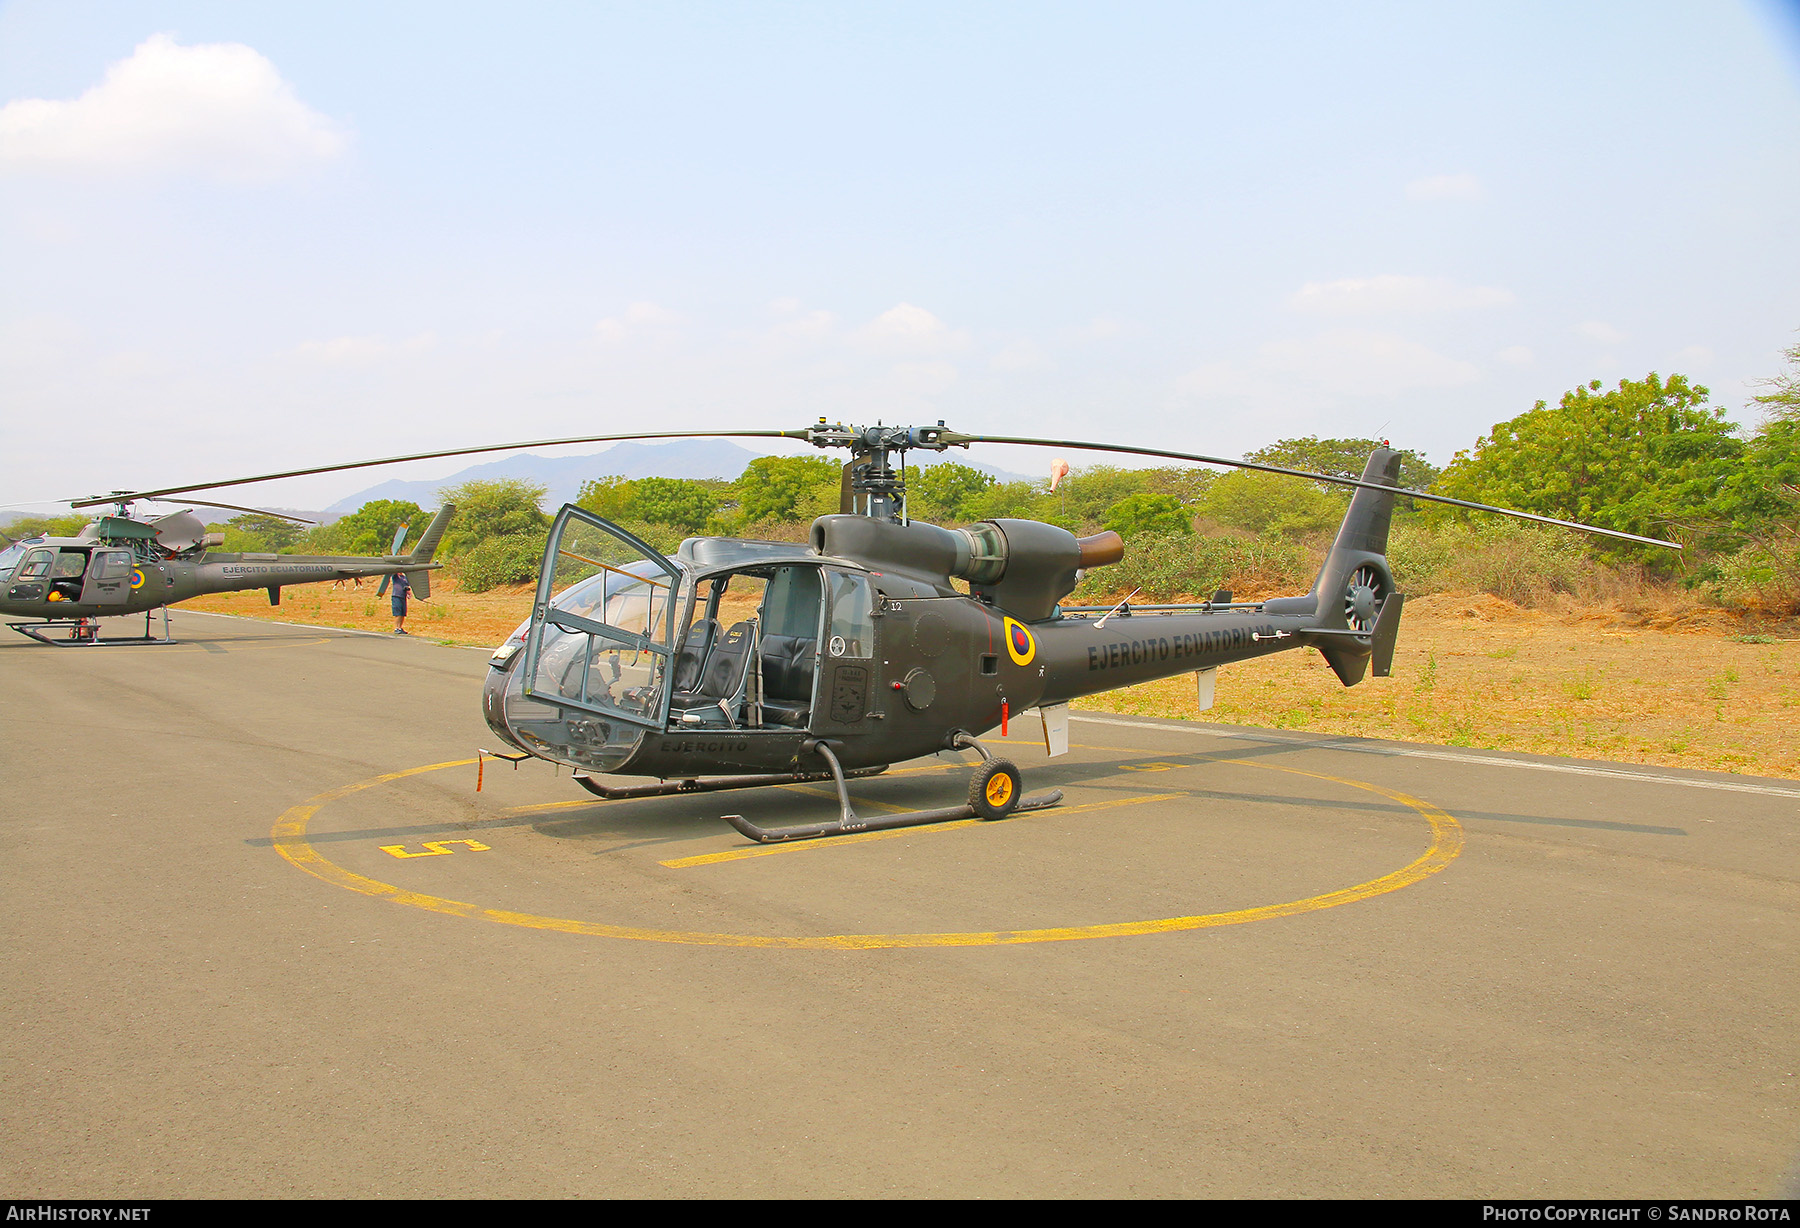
(666, 787)
(65, 634)
(917, 818)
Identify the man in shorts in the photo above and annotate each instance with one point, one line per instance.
(400, 590)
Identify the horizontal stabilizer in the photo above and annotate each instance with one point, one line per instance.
(1387, 633)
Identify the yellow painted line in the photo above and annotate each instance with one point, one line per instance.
(290, 841)
(433, 848)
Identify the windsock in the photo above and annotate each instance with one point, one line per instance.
(1059, 469)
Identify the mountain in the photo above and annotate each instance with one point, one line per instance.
(688, 458)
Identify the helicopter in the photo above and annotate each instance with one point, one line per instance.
(737, 664)
(119, 564)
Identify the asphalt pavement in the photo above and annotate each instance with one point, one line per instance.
(264, 937)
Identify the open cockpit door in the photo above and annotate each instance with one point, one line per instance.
(602, 630)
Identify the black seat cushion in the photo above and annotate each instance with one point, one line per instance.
(693, 654)
(787, 671)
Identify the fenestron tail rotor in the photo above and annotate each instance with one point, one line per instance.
(1363, 597)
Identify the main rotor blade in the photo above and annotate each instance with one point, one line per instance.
(395, 460)
(1358, 483)
(232, 507)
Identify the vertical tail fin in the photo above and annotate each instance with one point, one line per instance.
(428, 544)
(1355, 590)
(434, 533)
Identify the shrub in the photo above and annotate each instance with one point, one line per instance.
(511, 559)
(1177, 566)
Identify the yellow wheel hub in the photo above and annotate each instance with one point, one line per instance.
(999, 789)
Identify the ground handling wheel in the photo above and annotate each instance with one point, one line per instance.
(994, 789)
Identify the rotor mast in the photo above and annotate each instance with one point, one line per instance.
(877, 488)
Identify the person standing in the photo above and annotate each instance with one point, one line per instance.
(402, 587)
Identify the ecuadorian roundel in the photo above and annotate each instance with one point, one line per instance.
(1019, 644)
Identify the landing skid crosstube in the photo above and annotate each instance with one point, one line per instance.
(85, 633)
(849, 822)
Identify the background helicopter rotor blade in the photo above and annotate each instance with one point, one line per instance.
(1357, 483)
(395, 460)
(232, 507)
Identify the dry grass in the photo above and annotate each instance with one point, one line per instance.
(1646, 677)
(1678, 686)
(451, 615)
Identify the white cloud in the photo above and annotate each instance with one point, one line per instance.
(218, 108)
(1317, 370)
(1392, 292)
(1694, 356)
(1517, 355)
(1596, 330)
(799, 324)
(925, 379)
(637, 320)
(1021, 355)
(361, 351)
(1100, 328)
(1445, 187)
(908, 329)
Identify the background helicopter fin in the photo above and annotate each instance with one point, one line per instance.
(399, 538)
(428, 544)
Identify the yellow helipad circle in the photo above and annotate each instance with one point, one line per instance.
(290, 839)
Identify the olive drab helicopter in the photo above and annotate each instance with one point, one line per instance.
(733, 664)
(119, 564)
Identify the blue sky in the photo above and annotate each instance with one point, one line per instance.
(243, 236)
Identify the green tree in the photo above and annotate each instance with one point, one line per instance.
(1273, 505)
(1645, 455)
(277, 532)
(502, 507)
(1344, 458)
(238, 541)
(609, 497)
(680, 503)
(784, 488)
(1087, 496)
(946, 491)
(1782, 400)
(1186, 482)
(370, 528)
(53, 526)
(1145, 512)
(1013, 501)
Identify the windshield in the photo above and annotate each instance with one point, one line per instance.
(633, 597)
(9, 559)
